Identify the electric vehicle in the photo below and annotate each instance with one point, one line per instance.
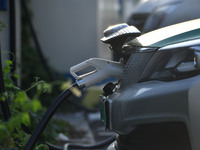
(153, 103)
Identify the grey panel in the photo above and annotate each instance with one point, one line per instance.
(151, 102)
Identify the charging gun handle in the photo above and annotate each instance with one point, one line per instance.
(104, 69)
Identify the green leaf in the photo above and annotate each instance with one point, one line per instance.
(3, 96)
(8, 62)
(37, 79)
(14, 122)
(39, 87)
(42, 147)
(36, 105)
(47, 87)
(25, 119)
(21, 98)
(16, 75)
(26, 138)
(4, 134)
(6, 69)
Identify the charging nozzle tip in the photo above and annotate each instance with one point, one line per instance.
(80, 83)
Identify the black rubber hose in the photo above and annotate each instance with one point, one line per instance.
(49, 113)
(96, 146)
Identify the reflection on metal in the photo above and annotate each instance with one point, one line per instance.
(142, 90)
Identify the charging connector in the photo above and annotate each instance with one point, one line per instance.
(103, 69)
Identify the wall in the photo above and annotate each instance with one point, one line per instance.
(66, 30)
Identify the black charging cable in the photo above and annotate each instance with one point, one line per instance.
(49, 113)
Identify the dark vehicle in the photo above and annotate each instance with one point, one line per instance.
(155, 105)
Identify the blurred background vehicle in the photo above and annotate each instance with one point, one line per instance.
(172, 14)
(145, 9)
